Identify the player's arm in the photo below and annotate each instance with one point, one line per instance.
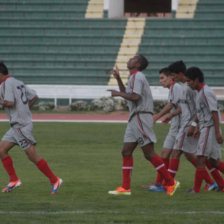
(116, 75)
(164, 111)
(132, 97)
(218, 134)
(193, 129)
(31, 102)
(169, 116)
(5, 103)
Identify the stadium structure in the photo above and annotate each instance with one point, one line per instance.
(66, 49)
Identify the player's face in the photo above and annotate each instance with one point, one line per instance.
(163, 80)
(176, 77)
(133, 63)
(191, 83)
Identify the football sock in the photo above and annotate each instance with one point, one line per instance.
(173, 167)
(126, 171)
(45, 169)
(161, 169)
(159, 178)
(199, 177)
(8, 164)
(221, 167)
(215, 174)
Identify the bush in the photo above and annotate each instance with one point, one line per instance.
(158, 105)
(79, 106)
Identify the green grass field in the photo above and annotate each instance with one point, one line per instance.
(87, 157)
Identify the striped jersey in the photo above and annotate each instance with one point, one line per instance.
(187, 104)
(15, 91)
(206, 103)
(174, 98)
(138, 84)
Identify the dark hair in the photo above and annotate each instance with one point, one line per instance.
(165, 71)
(143, 62)
(3, 68)
(195, 73)
(177, 67)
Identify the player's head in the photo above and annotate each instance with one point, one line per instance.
(178, 69)
(3, 69)
(138, 62)
(195, 77)
(165, 77)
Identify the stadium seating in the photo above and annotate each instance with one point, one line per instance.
(198, 42)
(50, 42)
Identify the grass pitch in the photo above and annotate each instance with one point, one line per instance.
(87, 157)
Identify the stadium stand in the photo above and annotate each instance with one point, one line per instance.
(51, 42)
(46, 42)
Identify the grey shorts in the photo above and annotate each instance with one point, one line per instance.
(169, 141)
(185, 143)
(20, 136)
(207, 144)
(140, 129)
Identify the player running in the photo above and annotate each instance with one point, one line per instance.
(208, 118)
(17, 99)
(140, 125)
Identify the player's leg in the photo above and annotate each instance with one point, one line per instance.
(157, 162)
(42, 165)
(174, 162)
(127, 151)
(7, 162)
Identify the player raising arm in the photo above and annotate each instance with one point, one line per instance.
(140, 125)
(17, 99)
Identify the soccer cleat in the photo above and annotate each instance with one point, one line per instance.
(157, 188)
(191, 191)
(120, 191)
(210, 187)
(170, 190)
(56, 186)
(12, 185)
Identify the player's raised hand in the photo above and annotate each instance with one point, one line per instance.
(114, 92)
(116, 73)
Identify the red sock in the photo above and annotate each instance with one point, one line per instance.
(45, 169)
(215, 174)
(173, 167)
(159, 178)
(221, 167)
(199, 177)
(127, 170)
(8, 164)
(161, 169)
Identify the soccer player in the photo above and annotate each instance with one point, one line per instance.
(167, 81)
(140, 125)
(208, 118)
(17, 99)
(185, 142)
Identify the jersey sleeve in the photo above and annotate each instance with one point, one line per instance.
(138, 83)
(211, 100)
(175, 95)
(9, 92)
(30, 93)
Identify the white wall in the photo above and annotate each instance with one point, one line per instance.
(106, 4)
(116, 8)
(174, 5)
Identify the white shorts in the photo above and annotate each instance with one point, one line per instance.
(20, 136)
(169, 141)
(140, 129)
(207, 144)
(185, 143)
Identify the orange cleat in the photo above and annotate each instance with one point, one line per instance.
(11, 186)
(172, 189)
(120, 191)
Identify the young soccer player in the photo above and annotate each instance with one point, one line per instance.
(185, 142)
(209, 123)
(140, 125)
(17, 99)
(166, 80)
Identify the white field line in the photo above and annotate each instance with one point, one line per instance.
(62, 212)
